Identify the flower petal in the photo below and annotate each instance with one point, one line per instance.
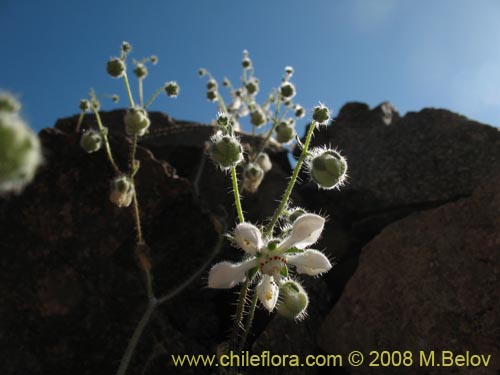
(305, 231)
(226, 275)
(311, 262)
(248, 237)
(268, 292)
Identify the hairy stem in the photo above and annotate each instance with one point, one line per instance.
(291, 184)
(248, 324)
(236, 191)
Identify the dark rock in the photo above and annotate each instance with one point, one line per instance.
(428, 282)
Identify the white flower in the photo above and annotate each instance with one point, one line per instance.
(270, 257)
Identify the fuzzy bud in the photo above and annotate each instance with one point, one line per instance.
(299, 111)
(223, 119)
(264, 162)
(122, 191)
(252, 86)
(226, 82)
(226, 151)
(321, 114)
(328, 168)
(20, 152)
(289, 71)
(211, 84)
(285, 132)
(91, 141)
(141, 71)
(136, 121)
(212, 96)
(294, 300)
(252, 177)
(115, 67)
(126, 47)
(287, 90)
(154, 59)
(296, 214)
(202, 72)
(258, 117)
(8, 103)
(246, 62)
(172, 89)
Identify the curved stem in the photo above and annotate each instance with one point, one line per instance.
(291, 184)
(106, 142)
(135, 337)
(153, 97)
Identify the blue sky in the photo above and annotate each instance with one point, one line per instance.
(426, 53)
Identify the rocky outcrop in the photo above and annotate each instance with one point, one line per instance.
(428, 282)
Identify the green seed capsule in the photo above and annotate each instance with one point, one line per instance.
(226, 151)
(91, 141)
(294, 300)
(328, 169)
(285, 132)
(115, 67)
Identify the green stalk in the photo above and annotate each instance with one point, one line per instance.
(129, 92)
(291, 184)
(154, 96)
(106, 142)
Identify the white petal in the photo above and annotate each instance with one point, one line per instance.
(311, 262)
(226, 275)
(268, 292)
(305, 231)
(248, 237)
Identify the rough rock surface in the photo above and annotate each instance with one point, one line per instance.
(428, 282)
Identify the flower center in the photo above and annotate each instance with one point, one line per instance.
(272, 264)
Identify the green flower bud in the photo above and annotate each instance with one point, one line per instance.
(136, 121)
(246, 62)
(258, 117)
(289, 71)
(20, 152)
(172, 89)
(294, 300)
(328, 168)
(226, 150)
(226, 82)
(252, 177)
(252, 86)
(202, 72)
(299, 111)
(223, 119)
(141, 71)
(212, 96)
(122, 191)
(126, 47)
(115, 98)
(84, 105)
(154, 59)
(287, 90)
(321, 114)
(8, 103)
(264, 162)
(285, 132)
(211, 84)
(91, 141)
(296, 214)
(115, 67)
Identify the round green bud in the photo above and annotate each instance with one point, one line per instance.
(115, 98)
(211, 84)
(8, 103)
(136, 121)
(252, 86)
(20, 152)
(121, 191)
(328, 169)
(294, 300)
(264, 162)
(252, 177)
(299, 111)
(258, 117)
(141, 71)
(212, 96)
(289, 71)
(154, 59)
(226, 82)
(285, 132)
(246, 62)
(226, 151)
(126, 47)
(172, 89)
(91, 141)
(321, 114)
(296, 214)
(223, 119)
(287, 90)
(84, 105)
(202, 72)
(115, 67)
